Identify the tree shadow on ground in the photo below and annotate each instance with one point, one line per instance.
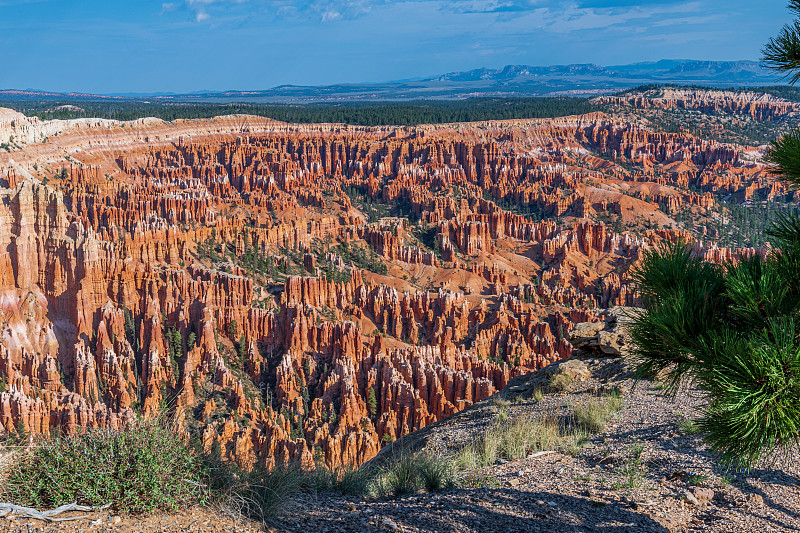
(497, 510)
(775, 477)
(689, 448)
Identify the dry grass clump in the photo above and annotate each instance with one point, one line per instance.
(519, 436)
(502, 406)
(560, 382)
(595, 414)
(538, 395)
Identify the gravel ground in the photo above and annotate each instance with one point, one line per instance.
(646, 472)
(200, 520)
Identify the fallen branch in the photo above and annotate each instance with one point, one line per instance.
(27, 512)
(539, 454)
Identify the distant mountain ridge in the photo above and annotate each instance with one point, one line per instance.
(510, 72)
(670, 70)
(509, 81)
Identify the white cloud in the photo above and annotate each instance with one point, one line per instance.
(518, 16)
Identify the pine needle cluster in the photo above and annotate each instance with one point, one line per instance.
(732, 331)
(782, 54)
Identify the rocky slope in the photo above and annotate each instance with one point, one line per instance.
(646, 470)
(315, 292)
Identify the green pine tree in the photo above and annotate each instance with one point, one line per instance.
(372, 402)
(733, 330)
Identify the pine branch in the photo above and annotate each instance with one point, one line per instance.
(782, 53)
(784, 156)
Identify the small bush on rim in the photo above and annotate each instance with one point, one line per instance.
(410, 473)
(139, 468)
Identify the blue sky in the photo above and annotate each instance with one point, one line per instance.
(118, 46)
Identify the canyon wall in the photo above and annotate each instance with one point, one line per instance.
(314, 292)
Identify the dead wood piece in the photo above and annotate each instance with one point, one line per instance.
(28, 512)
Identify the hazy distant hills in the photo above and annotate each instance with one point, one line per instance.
(664, 71)
(23, 95)
(509, 81)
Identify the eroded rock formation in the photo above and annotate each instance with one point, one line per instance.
(313, 292)
(760, 106)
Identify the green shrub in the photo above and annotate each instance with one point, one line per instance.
(139, 468)
(733, 332)
(145, 467)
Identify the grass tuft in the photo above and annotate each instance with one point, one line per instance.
(595, 414)
(689, 426)
(262, 493)
(634, 468)
(352, 481)
(516, 437)
(410, 473)
(538, 395)
(560, 382)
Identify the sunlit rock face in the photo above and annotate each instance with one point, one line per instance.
(759, 106)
